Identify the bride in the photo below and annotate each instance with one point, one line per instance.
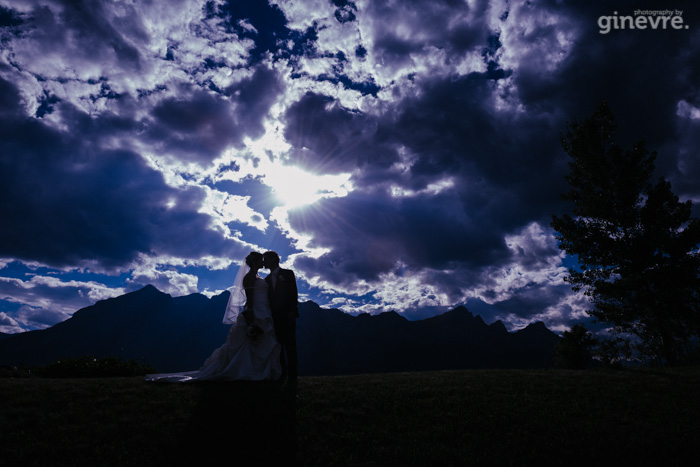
(251, 351)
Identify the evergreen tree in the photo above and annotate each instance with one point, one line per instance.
(636, 243)
(573, 352)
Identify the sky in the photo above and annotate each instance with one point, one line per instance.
(398, 154)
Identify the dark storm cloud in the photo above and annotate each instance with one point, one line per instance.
(379, 232)
(501, 168)
(67, 202)
(96, 34)
(454, 127)
(84, 29)
(330, 139)
(642, 74)
(431, 24)
(199, 124)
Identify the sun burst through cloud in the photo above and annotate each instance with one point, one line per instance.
(294, 187)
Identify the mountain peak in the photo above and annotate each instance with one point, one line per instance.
(537, 326)
(461, 309)
(149, 289)
(537, 330)
(390, 316)
(498, 325)
(457, 315)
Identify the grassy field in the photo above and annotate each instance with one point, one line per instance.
(484, 417)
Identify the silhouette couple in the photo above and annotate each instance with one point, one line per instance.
(261, 343)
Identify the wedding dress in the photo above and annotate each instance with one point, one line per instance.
(241, 357)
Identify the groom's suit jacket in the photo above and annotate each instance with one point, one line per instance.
(284, 297)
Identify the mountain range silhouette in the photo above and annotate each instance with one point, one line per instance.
(178, 333)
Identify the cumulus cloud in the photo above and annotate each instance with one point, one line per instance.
(408, 38)
(327, 138)
(104, 99)
(69, 202)
(8, 325)
(42, 301)
(199, 124)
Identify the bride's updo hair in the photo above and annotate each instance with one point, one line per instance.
(253, 258)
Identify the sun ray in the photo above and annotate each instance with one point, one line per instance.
(294, 187)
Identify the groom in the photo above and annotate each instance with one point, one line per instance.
(282, 287)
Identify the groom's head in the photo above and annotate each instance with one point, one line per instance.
(271, 260)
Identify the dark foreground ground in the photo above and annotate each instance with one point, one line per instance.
(484, 417)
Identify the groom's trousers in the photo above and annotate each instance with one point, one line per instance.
(286, 336)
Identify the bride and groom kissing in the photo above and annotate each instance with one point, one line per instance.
(261, 343)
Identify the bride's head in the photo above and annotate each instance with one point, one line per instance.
(254, 260)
